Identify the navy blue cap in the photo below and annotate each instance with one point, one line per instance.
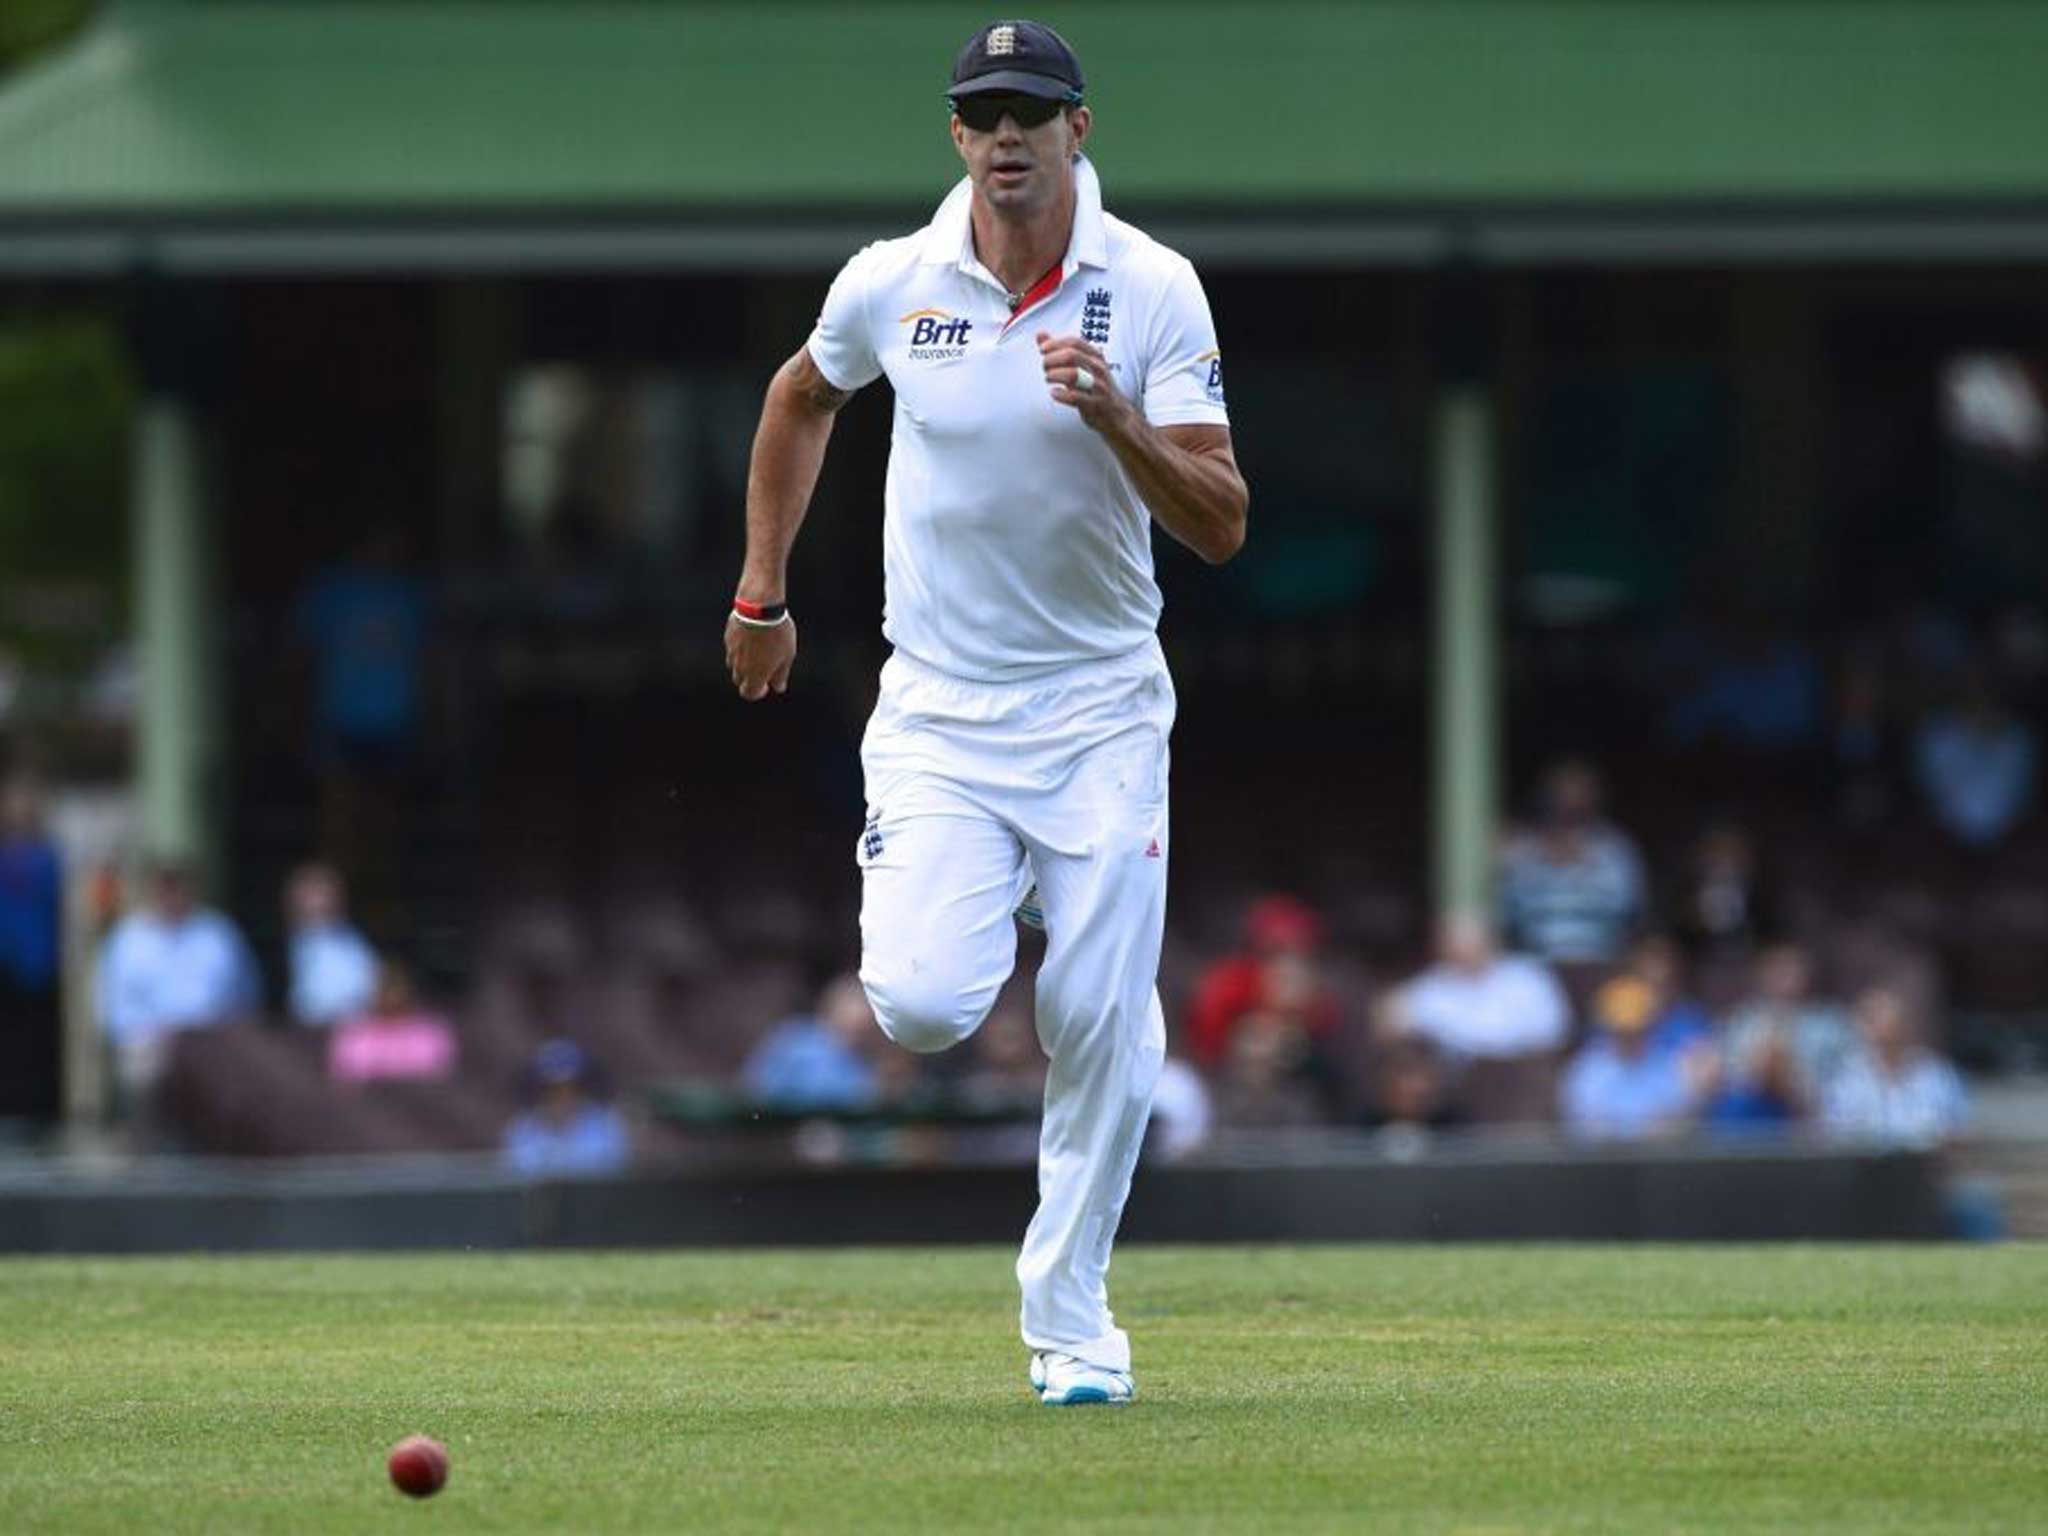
(561, 1061)
(1023, 56)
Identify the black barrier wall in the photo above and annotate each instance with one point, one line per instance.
(1891, 1196)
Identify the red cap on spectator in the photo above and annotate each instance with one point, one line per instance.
(1282, 923)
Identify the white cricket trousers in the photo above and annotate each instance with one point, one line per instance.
(974, 791)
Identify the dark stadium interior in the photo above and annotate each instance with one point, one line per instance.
(1698, 466)
(1701, 469)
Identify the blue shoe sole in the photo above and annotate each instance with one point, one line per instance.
(1080, 1396)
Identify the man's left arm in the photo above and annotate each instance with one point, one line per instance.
(1186, 473)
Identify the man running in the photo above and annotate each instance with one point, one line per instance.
(1058, 388)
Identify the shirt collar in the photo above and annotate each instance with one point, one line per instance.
(949, 238)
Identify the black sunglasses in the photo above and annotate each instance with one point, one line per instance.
(983, 112)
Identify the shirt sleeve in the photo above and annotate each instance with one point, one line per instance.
(1183, 368)
(525, 1147)
(1544, 1026)
(1954, 1101)
(241, 988)
(842, 343)
(1578, 1096)
(1845, 1105)
(120, 1010)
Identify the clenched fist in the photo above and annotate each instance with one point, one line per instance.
(758, 657)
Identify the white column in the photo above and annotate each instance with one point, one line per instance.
(174, 734)
(1465, 774)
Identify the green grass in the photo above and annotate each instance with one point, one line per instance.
(1333, 1389)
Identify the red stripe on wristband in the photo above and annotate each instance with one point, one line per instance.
(760, 613)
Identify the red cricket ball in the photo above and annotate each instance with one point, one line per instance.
(419, 1466)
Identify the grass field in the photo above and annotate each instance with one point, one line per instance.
(1330, 1389)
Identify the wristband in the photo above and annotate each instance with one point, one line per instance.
(760, 615)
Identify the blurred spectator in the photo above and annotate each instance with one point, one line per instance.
(1677, 1022)
(1410, 1097)
(1866, 752)
(1277, 978)
(1895, 1090)
(170, 965)
(1622, 1086)
(1763, 693)
(1005, 1077)
(1477, 1002)
(1759, 1091)
(1571, 886)
(1005, 1066)
(394, 1039)
(333, 970)
(1723, 904)
(31, 902)
(365, 621)
(1182, 1114)
(1815, 1035)
(1976, 765)
(567, 1130)
(819, 1062)
(1264, 1082)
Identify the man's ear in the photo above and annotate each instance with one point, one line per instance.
(959, 136)
(1079, 122)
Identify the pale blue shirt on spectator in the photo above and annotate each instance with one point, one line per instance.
(334, 973)
(158, 976)
(1921, 1105)
(1978, 783)
(803, 1066)
(1607, 1096)
(593, 1142)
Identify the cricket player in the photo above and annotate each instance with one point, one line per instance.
(1058, 389)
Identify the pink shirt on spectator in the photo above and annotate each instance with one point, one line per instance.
(413, 1047)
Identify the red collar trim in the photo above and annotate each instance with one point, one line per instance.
(1037, 293)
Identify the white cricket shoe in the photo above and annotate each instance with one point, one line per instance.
(1031, 911)
(1061, 1381)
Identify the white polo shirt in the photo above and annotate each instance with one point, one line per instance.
(1514, 1007)
(1013, 542)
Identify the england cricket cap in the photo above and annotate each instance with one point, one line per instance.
(1022, 56)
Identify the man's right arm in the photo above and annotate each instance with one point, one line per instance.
(789, 450)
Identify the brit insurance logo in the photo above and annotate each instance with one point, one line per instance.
(936, 336)
(1214, 382)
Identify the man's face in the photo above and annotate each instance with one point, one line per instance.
(562, 1102)
(19, 812)
(1882, 1019)
(314, 898)
(847, 1014)
(1573, 800)
(172, 894)
(1018, 170)
(1630, 1044)
(1783, 975)
(1465, 942)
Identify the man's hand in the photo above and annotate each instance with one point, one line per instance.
(1186, 474)
(759, 659)
(1103, 406)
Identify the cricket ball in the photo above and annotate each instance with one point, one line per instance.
(419, 1466)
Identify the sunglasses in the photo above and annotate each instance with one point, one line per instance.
(983, 112)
